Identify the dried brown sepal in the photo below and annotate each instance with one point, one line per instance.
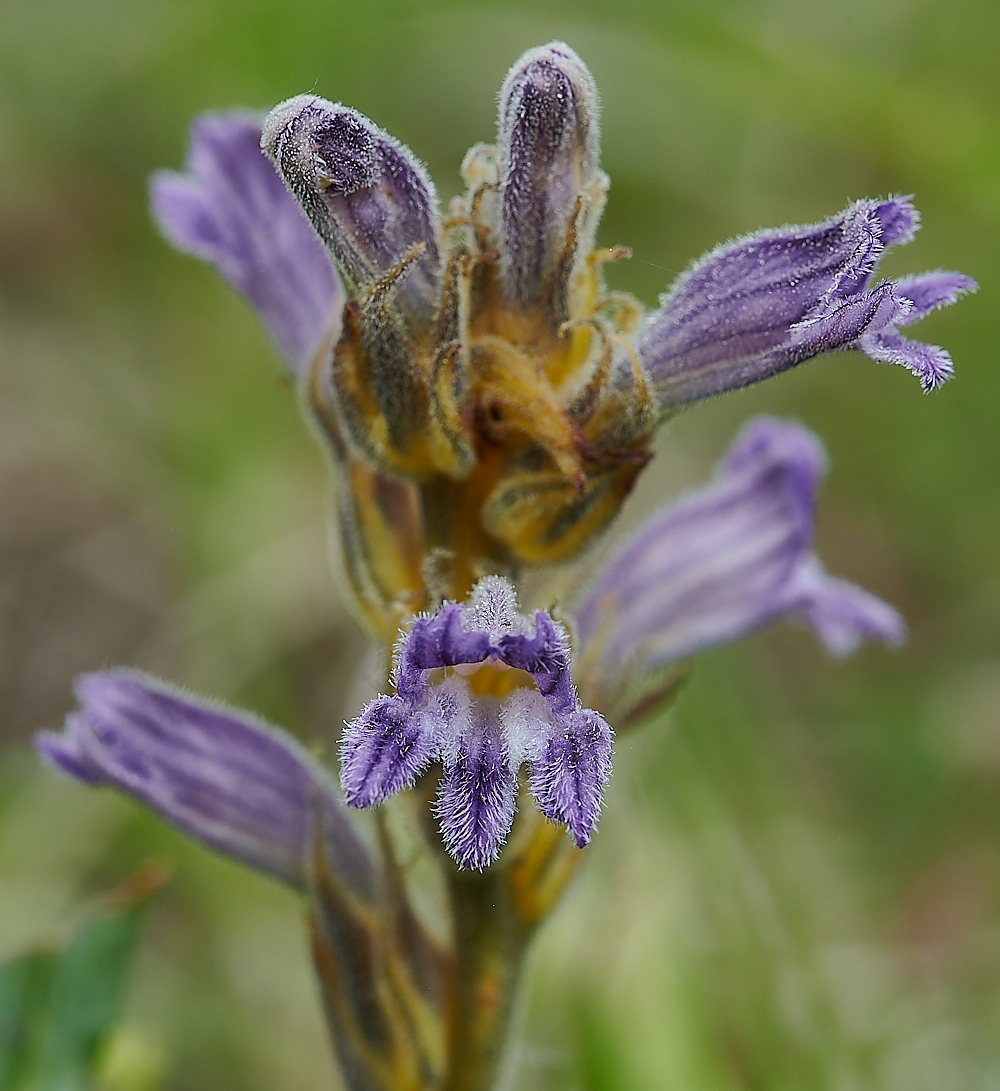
(379, 518)
(382, 980)
(543, 518)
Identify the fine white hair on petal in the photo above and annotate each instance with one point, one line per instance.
(527, 723)
(448, 713)
(492, 608)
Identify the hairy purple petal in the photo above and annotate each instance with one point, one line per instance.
(932, 365)
(734, 310)
(548, 145)
(758, 306)
(383, 751)
(66, 751)
(545, 656)
(896, 221)
(930, 291)
(842, 614)
(899, 220)
(224, 777)
(366, 194)
(437, 641)
(568, 777)
(476, 799)
(488, 625)
(727, 559)
(842, 322)
(232, 209)
(481, 741)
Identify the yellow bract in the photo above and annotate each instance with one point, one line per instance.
(505, 436)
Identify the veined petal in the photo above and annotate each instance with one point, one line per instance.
(383, 751)
(476, 799)
(366, 194)
(568, 777)
(545, 656)
(727, 559)
(838, 322)
(548, 146)
(224, 777)
(724, 321)
(66, 751)
(765, 303)
(436, 641)
(845, 322)
(899, 220)
(232, 209)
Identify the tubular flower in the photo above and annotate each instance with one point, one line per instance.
(763, 304)
(224, 777)
(727, 559)
(482, 689)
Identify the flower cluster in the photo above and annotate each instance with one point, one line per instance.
(487, 404)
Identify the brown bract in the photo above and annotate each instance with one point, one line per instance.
(493, 439)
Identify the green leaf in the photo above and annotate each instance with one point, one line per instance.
(88, 993)
(57, 1008)
(25, 992)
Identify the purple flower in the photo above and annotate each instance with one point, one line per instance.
(727, 559)
(227, 779)
(489, 405)
(367, 196)
(548, 149)
(744, 312)
(758, 306)
(233, 210)
(482, 689)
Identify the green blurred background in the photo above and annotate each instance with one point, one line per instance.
(797, 879)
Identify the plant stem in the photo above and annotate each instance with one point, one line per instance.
(490, 941)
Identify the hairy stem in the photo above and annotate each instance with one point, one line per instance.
(490, 937)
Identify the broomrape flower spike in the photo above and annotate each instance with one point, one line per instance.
(487, 405)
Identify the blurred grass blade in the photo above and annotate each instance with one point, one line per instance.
(25, 993)
(57, 1008)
